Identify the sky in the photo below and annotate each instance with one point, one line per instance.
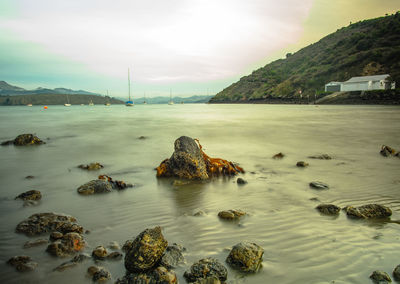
(192, 47)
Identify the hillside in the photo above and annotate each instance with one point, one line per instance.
(176, 100)
(368, 47)
(55, 99)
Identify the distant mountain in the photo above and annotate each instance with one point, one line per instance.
(369, 47)
(9, 90)
(176, 100)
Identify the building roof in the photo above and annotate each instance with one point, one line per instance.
(367, 78)
(334, 83)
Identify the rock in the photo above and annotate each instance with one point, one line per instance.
(142, 137)
(35, 243)
(29, 177)
(95, 186)
(278, 156)
(42, 223)
(396, 273)
(30, 195)
(146, 250)
(24, 140)
(208, 280)
(302, 164)
(328, 209)
(116, 184)
(369, 211)
(319, 185)
(22, 263)
(206, 268)
(160, 275)
(127, 246)
(173, 256)
(380, 277)
(387, 151)
(65, 265)
(81, 257)
(56, 236)
(91, 167)
(99, 252)
(321, 157)
(241, 181)
(200, 213)
(69, 244)
(246, 257)
(186, 162)
(99, 274)
(114, 245)
(231, 214)
(116, 255)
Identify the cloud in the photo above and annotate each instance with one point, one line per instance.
(162, 41)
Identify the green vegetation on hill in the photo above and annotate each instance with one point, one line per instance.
(368, 47)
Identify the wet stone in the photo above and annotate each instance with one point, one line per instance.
(65, 266)
(319, 185)
(42, 223)
(241, 181)
(24, 140)
(321, 157)
(380, 277)
(278, 156)
(208, 280)
(116, 255)
(173, 256)
(369, 211)
(160, 275)
(146, 250)
(29, 177)
(30, 195)
(99, 252)
(91, 167)
(302, 164)
(99, 274)
(199, 213)
(22, 263)
(206, 268)
(114, 245)
(68, 245)
(127, 246)
(231, 214)
(35, 243)
(328, 209)
(56, 236)
(246, 257)
(396, 273)
(387, 151)
(94, 187)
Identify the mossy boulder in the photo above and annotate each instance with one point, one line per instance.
(369, 211)
(246, 257)
(206, 268)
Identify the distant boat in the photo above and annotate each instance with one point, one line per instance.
(67, 104)
(129, 102)
(29, 105)
(91, 103)
(144, 102)
(170, 98)
(107, 103)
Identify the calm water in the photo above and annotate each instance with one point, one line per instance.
(301, 246)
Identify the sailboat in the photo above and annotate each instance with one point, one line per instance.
(144, 101)
(170, 98)
(107, 103)
(129, 102)
(67, 104)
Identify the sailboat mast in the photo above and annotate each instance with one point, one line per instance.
(129, 86)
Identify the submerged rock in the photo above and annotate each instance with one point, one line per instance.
(94, 187)
(369, 211)
(69, 244)
(328, 209)
(241, 181)
(387, 151)
(99, 252)
(173, 256)
(246, 257)
(380, 277)
(30, 195)
(24, 140)
(319, 185)
(206, 268)
(278, 156)
(42, 223)
(321, 157)
(114, 245)
(91, 167)
(116, 255)
(396, 273)
(146, 250)
(99, 274)
(302, 164)
(22, 263)
(160, 275)
(28, 203)
(72, 263)
(35, 243)
(231, 214)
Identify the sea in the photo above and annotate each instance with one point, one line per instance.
(300, 245)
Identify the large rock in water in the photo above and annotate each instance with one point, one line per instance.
(146, 250)
(95, 186)
(204, 269)
(24, 139)
(246, 257)
(187, 160)
(368, 211)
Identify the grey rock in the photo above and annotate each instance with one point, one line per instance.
(246, 257)
(159, 275)
(369, 211)
(91, 167)
(328, 209)
(95, 186)
(35, 243)
(206, 268)
(30, 195)
(173, 256)
(22, 263)
(116, 255)
(319, 185)
(68, 245)
(99, 274)
(231, 214)
(380, 277)
(146, 250)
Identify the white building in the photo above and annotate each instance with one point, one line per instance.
(364, 83)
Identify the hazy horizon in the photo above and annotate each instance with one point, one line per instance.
(191, 47)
